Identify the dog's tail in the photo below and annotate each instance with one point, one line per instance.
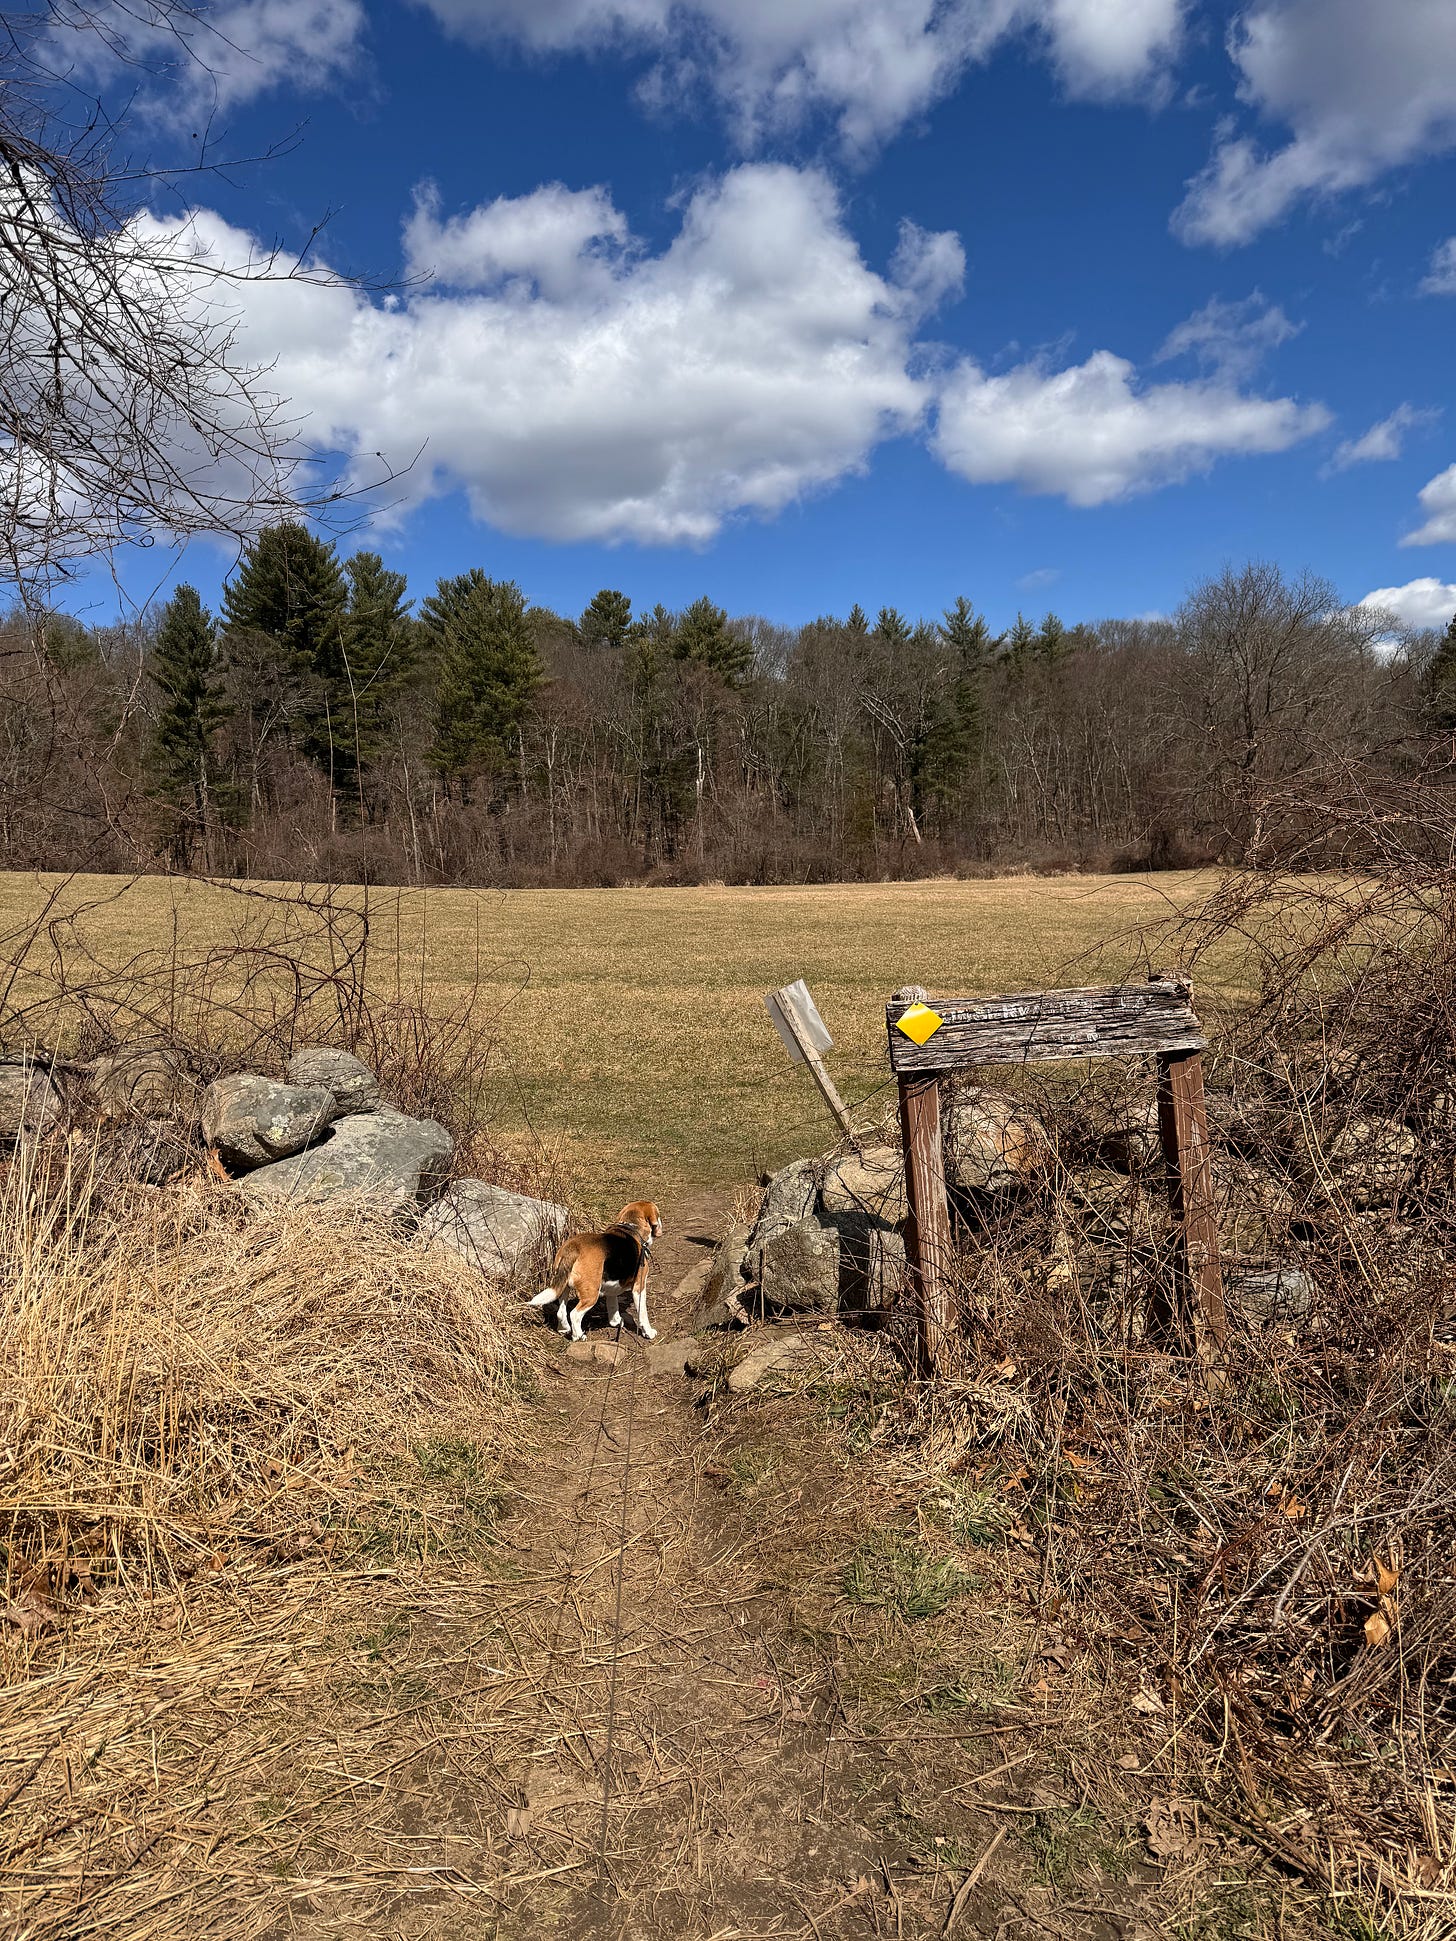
(545, 1297)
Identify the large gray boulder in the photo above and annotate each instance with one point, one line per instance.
(30, 1100)
(1374, 1162)
(386, 1155)
(1133, 1144)
(252, 1121)
(499, 1232)
(798, 1271)
(871, 1182)
(993, 1143)
(148, 1082)
(340, 1072)
(788, 1198)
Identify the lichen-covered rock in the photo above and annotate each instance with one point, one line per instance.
(385, 1155)
(889, 1270)
(1374, 1160)
(788, 1198)
(252, 1121)
(152, 1151)
(722, 1297)
(144, 1082)
(872, 1182)
(993, 1143)
(1134, 1144)
(774, 1353)
(798, 1270)
(340, 1072)
(1269, 1292)
(499, 1232)
(30, 1100)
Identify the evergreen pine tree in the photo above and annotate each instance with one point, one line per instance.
(1019, 643)
(973, 645)
(1438, 684)
(1052, 641)
(181, 665)
(892, 627)
(377, 636)
(489, 670)
(288, 589)
(704, 636)
(858, 621)
(607, 621)
(966, 631)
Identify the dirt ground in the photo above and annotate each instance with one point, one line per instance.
(667, 1718)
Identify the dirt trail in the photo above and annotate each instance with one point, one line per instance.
(637, 1744)
(683, 1789)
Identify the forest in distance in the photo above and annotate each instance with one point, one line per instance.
(326, 727)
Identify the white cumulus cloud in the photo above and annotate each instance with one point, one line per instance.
(577, 387)
(1438, 502)
(1362, 88)
(189, 63)
(556, 239)
(1440, 279)
(1094, 432)
(1384, 440)
(1419, 603)
(871, 64)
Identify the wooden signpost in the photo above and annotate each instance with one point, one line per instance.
(931, 1038)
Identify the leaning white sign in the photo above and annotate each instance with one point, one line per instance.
(812, 1025)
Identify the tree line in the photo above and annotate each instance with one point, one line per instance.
(325, 726)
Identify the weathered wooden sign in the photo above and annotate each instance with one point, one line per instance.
(931, 1037)
(1109, 1021)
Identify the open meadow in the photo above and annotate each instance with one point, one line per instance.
(629, 1046)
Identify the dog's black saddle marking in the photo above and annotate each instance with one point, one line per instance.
(624, 1254)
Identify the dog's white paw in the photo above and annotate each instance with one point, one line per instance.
(615, 1321)
(649, 1334)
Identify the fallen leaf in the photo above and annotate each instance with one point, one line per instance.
(1294, 1509)
(1387, 1576)
(29, 1614)
(518, 1822)
(1377, 1630)
(1147, 1702)
(1172, 1830)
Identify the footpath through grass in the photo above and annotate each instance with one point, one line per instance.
(632, 1036)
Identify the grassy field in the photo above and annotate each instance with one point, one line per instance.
(632, 1039)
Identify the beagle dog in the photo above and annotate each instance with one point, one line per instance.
(614, 1259)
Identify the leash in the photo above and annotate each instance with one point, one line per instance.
(602, 1876)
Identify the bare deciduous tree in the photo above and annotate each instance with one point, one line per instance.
(128, 411)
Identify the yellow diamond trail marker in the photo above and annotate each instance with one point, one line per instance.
(919, 1023)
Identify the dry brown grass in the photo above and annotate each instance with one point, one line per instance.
(230, 1444)
(622, 1035)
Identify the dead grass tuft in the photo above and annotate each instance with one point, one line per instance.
(184, 1384)
(228, 1444)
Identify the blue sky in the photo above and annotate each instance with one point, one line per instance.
(1054, 303)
